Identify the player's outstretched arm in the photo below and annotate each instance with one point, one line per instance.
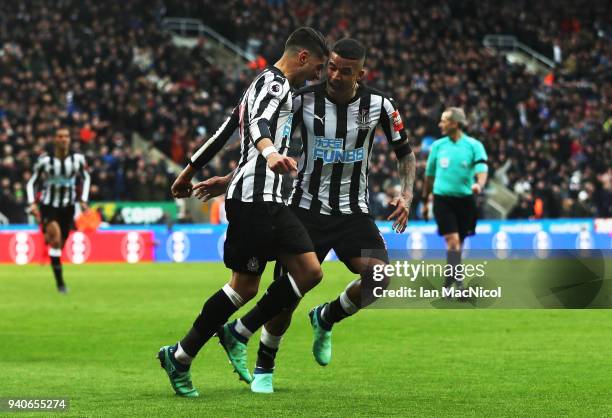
(31, 192)
(393, 127)
(215, 143)
(407, 172)
(86, 185)
(33, 208)
(212, 187)
(182, 187)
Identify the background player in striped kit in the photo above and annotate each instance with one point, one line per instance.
(337, 121)
(261, 226)
(59, 173)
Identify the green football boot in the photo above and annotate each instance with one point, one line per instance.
(180, 380)
(236, 352)
(321, 345)
(262, 383)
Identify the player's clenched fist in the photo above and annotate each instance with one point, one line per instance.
(281, 164)
(35, 212)
(181, 188)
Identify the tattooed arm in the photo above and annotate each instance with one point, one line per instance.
(407, 169)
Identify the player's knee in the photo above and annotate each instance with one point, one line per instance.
(246, 289)
(373, 276)
(308, 278)
(314, 275)
(384, 283)
(248, 293)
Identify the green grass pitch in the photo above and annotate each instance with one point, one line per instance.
(97, 347)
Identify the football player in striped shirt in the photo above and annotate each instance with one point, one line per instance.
(337, 121)
(58, 174)
(261, 226)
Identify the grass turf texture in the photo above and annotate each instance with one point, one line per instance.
(97, 347)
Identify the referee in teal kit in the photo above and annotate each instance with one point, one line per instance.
(457, 170)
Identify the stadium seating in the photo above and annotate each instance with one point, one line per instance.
(548, 139)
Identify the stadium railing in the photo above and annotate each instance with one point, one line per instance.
(190, 28)
(507, 44)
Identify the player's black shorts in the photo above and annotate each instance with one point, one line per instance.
(455, 214)
(63, 216)
(348, 235)
(258, 232)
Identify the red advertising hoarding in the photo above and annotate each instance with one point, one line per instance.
(24, 247)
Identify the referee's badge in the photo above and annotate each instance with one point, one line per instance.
(363, 119)
(444, 162)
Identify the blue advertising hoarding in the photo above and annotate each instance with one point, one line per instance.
(203, 242)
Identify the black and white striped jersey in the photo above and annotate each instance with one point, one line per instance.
(59, 180)
(264, 111)
(337, 142)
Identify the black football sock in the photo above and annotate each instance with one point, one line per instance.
(56, 266)
(338, 309)
(265, 358)
(280, 295)
(216, 311)
(268, 347)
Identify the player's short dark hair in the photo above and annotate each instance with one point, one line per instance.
(61, 127)
(308, 38)
(350, 49)
(63, 123)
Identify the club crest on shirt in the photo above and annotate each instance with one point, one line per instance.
(253, 264)
(363, 119)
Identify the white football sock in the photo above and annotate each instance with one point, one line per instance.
(269, 340)
(347, 305)
(182, 356)
(242, 330)
(233, 295)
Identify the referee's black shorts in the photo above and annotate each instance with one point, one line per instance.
(258, 232)
(455, 214)
(63, 216)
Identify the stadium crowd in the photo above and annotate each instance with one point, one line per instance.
(109, 71)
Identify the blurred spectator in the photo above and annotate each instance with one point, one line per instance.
(111, 71)
(217, 211)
